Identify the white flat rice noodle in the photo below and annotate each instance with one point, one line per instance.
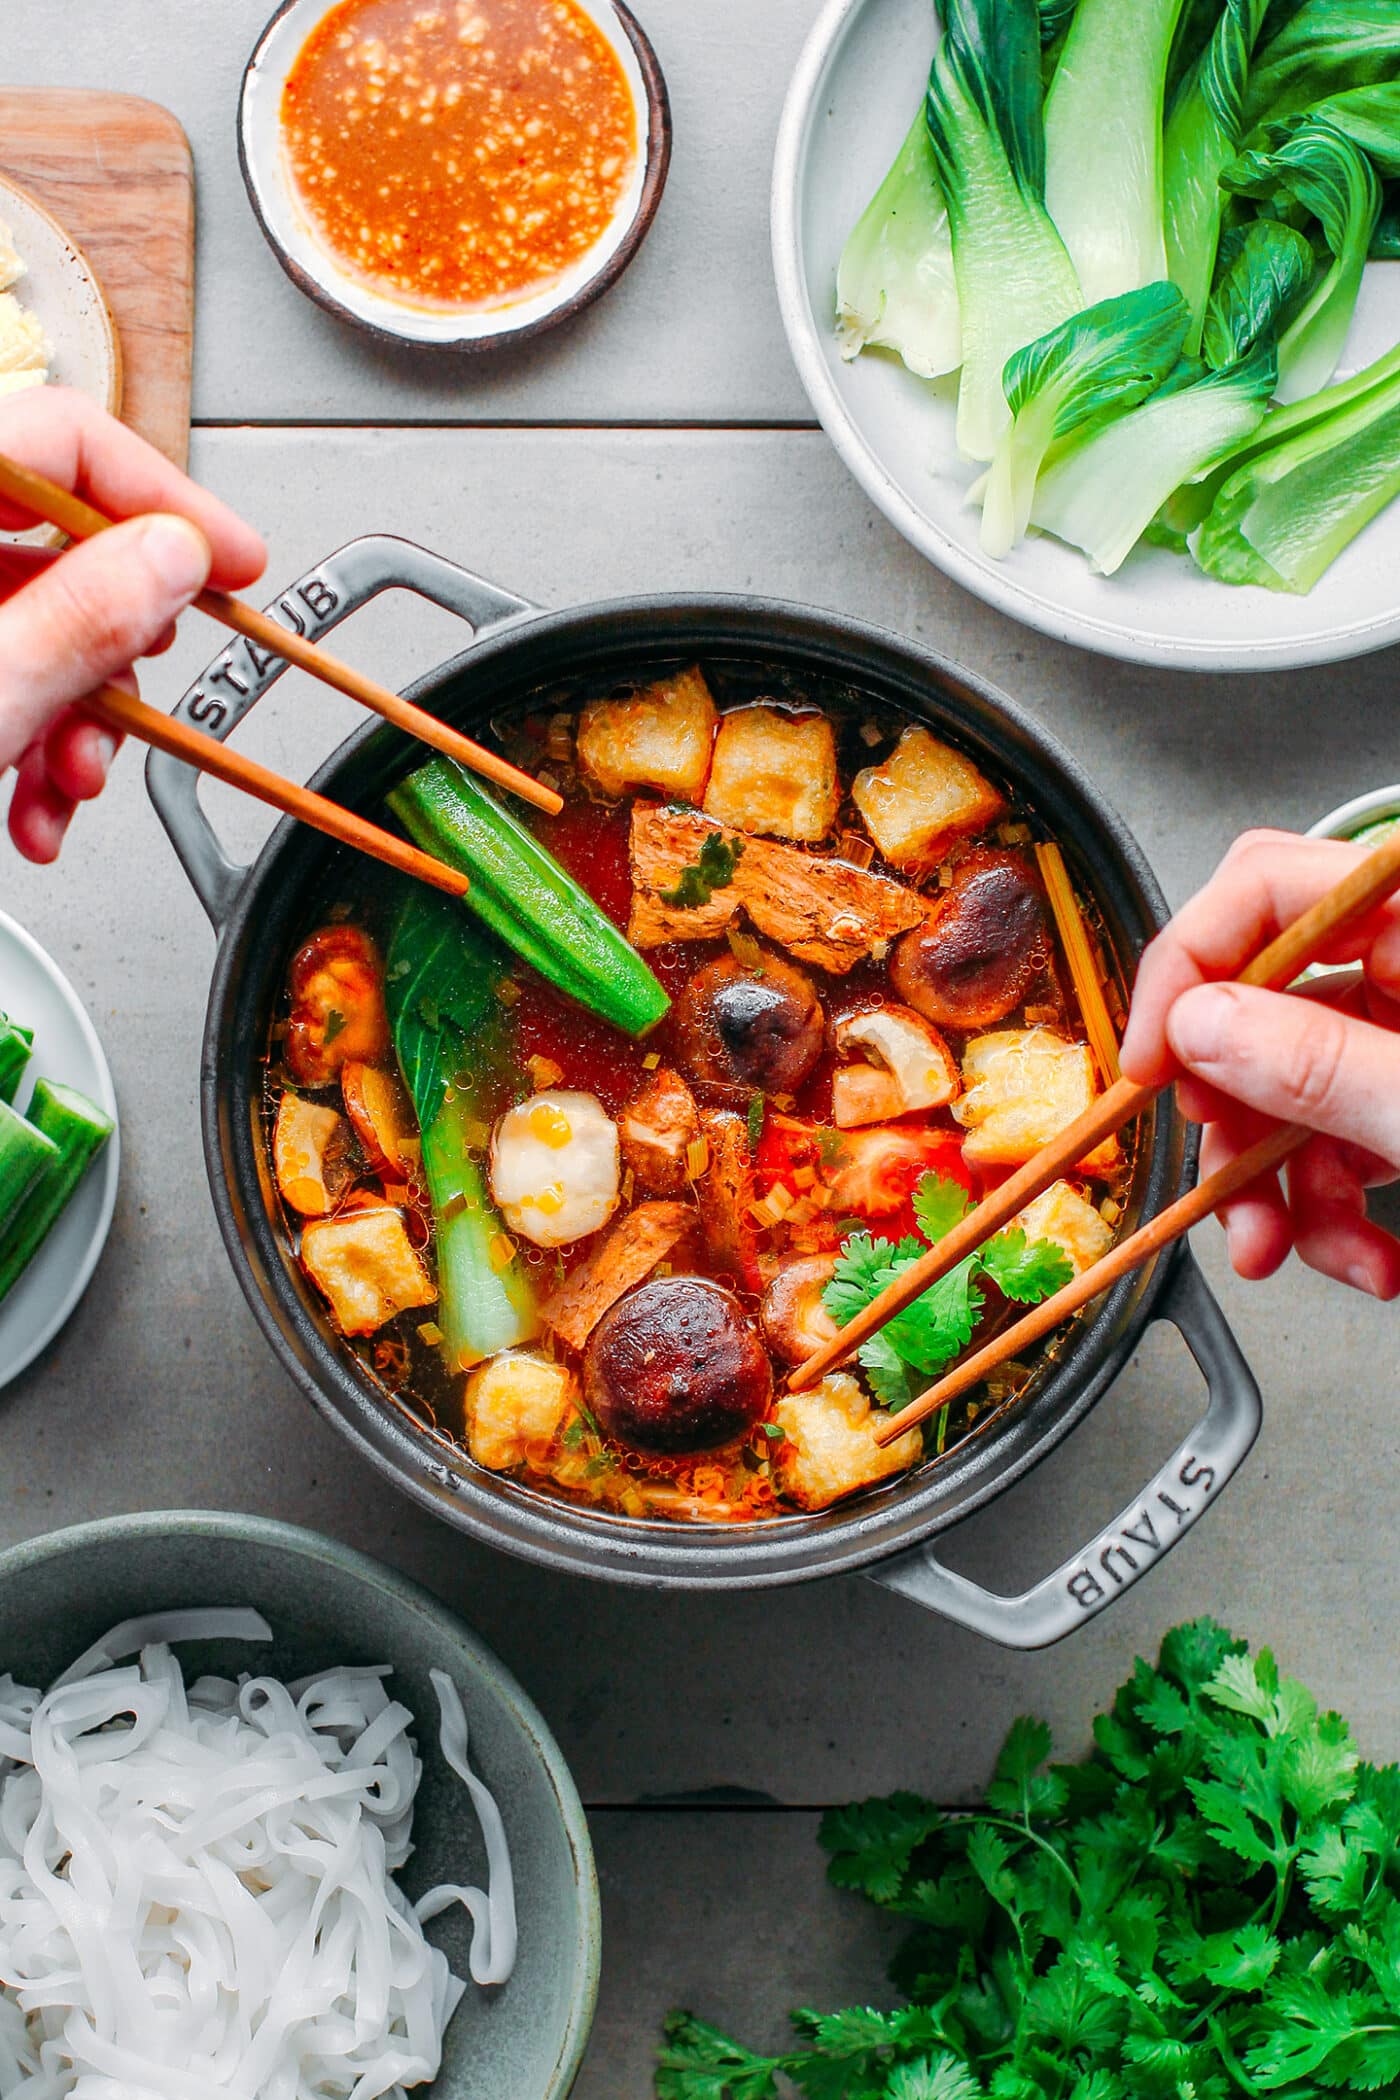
(196, 1881)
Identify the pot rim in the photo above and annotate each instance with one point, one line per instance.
(906, 1512)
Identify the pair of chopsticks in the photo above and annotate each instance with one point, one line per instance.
(129, 716)
(1273, 968)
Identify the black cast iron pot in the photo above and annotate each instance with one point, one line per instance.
(259, 913)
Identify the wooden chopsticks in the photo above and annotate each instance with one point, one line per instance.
(129, 716)
(58, 506)
(1129, 1254)
(1274, 967)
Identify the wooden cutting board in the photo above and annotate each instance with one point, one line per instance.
(116, 172)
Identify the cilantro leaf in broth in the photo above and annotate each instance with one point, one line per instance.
(1025, 1271)
(940, 1203)
(714, 870)
(929, 1333)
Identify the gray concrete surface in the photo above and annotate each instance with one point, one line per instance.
(672, 1709)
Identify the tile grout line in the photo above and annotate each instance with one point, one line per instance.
(561, 424)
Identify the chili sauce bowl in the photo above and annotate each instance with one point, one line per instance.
(315, 268)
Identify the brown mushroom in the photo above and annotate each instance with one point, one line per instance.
(677, 1366)
(981, 948)
(754, 1027)
(794, 1320)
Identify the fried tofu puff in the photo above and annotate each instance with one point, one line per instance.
(775, 772)
(1023, 1086)
(1070, 1222)
(923, 797)
(515, 1408)
(659, 737)
(829, 1448)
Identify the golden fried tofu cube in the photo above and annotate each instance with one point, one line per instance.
(1023, 1086)
(1070, 1222)
(775, 772)
(829, 1448)
(515, 1407)
(660, 738)
(366, 1265)
(921, 799)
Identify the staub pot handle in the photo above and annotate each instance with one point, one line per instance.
(1178, 1494)
(242, 672)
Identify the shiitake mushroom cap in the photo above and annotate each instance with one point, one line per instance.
(677, 1366)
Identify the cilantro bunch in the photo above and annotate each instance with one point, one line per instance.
(1208, 1906)
(939, 1325)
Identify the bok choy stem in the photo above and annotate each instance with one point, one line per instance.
(452, 1041)
(1103, 142)
(895, 286)
(1204, 132)
(1014, 277)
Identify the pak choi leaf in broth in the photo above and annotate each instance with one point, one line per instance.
(1014, 277)
(1104, 360)
(452, 1039)
(895, 285)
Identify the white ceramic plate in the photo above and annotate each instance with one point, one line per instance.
(35, 992)
(61, 287)
(852, 97)
(311, 265)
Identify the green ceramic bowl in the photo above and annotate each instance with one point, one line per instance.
(327, 1605)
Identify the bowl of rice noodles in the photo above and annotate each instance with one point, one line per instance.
(274, 1822)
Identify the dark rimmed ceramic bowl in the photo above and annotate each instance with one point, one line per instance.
(312, 267)
(328, 1604)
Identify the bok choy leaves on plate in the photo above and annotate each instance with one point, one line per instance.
(895, 288)
(1103, 142)
(1315, 170)
(1305, 488)
(1108, 357)
(1144, 225)
(1203, 136)
(1103, 492)
(1014, 278)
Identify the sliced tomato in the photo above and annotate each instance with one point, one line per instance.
(875, 1172)
(337, 987)
(786, 1146)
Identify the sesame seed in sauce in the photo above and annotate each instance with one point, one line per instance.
(498, 159)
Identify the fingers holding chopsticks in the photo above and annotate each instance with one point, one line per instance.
(68, 438)
(73, 622)
(1245, 1058)
(1265, 882)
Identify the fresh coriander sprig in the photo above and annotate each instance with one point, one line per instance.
(1207, 1906)
(938, 1325)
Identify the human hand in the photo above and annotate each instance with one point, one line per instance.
(1244, 1059)
(72, 623)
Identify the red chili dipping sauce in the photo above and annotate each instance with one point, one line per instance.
(459, 152)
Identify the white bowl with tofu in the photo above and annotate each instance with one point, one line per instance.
(962, 747)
